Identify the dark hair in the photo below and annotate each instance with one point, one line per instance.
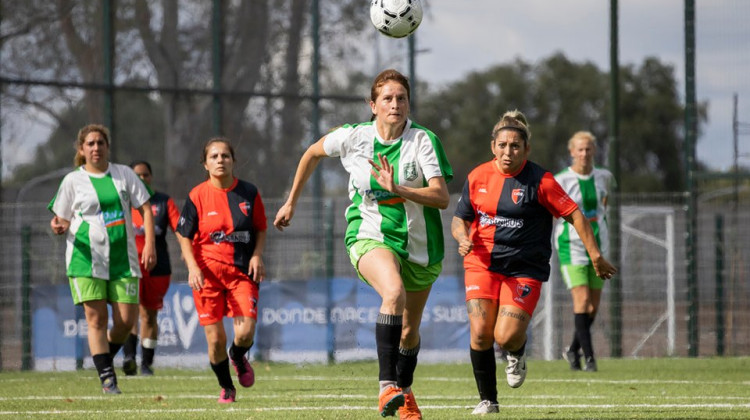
(217, 140)
(384, 77)
(79, 159)
(513, 120)
(135, 163)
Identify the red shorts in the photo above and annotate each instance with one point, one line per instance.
(151, 290)
(227, 291)
(522, 292)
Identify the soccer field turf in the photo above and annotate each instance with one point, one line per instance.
(716, 388)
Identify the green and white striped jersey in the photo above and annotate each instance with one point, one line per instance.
(414, 231)
(590, 193)
(100, 240)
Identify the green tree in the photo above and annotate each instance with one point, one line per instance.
(560, 97)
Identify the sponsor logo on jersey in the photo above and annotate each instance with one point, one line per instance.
(499, 221)
(482, 190)
(472, 287)
(212, 213)
(516, 195)
(112, 218)
(410, 171)
(239, 236)
(244, 207)
(383, 197)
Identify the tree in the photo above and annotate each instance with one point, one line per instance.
(167, 43)
(560, 97)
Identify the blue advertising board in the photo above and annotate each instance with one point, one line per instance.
(298, 321)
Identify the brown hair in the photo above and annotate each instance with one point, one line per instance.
(217, 140)
(384, 77)
(513, 120)
(79, 159)
(583, 135)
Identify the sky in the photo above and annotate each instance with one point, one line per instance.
(460, 37)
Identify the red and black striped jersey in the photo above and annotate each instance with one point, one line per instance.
(223, 223)
(512, 219)
(166, 216)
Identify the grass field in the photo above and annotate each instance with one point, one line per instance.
(716, 388)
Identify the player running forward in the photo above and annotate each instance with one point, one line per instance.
(222, 233)
(397, 183)
(503, 224)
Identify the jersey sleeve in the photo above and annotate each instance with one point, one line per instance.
(334, 142)
(62, 203)
(139, 191)
(259, 215)
(173, 214)
(464, 208)
(554, 198)
(434, 162)
(188, 224)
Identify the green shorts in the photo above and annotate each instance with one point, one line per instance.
(414, 276)
(84, 289)
(581, 275)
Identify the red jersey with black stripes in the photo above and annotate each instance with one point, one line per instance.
(223, 223)
(512, 219)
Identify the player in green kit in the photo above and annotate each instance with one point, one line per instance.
(397, 184)
(92, 207)
(589, 187)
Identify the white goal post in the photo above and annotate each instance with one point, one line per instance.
(630, 238)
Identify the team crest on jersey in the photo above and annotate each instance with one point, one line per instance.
(410, 171)
(244, 207)
(517, 195)
(125, 196)
(523, 290)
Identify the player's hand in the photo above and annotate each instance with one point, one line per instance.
(465, 246)
(284, 216)
(382, 171)
(148, 257)
(257, 270)
(603, 268)
(195, 278)
(59, 225)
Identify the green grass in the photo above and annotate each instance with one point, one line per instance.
(622, 389)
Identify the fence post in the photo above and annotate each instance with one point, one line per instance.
(719, 291)
(328, 226)
(26, 297)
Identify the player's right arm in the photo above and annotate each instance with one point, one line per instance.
(186, 231)
(305, 168)
(59, 225)
(460, 230)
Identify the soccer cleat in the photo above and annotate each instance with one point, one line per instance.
(590, 365)
(573, 359)
(486, 407)
(390, 400)
(410, 409)
(227, 395)
(245, 373)
(146, 370)
(515, 372)
(109, 386)
(129, 367)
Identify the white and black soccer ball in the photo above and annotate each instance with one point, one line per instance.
(396, 18)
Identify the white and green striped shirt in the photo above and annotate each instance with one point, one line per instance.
(100, 240)
(412, 230)
(590, 193)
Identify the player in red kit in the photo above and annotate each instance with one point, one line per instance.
(503, 226)
(222, 233)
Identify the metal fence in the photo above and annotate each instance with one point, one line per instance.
(653, 274)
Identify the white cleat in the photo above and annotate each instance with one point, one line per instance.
(516, 370)
(486, 407)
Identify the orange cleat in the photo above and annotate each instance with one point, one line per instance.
(410, 409)
(390, 401)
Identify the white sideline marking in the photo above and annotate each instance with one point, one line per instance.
(369, 408)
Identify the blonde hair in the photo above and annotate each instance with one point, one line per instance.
(513, 120)
(583, 135)
(80, 159)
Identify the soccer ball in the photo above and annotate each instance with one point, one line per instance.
(396, 18)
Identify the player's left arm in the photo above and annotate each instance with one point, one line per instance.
(148, 256)
(257, 270)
